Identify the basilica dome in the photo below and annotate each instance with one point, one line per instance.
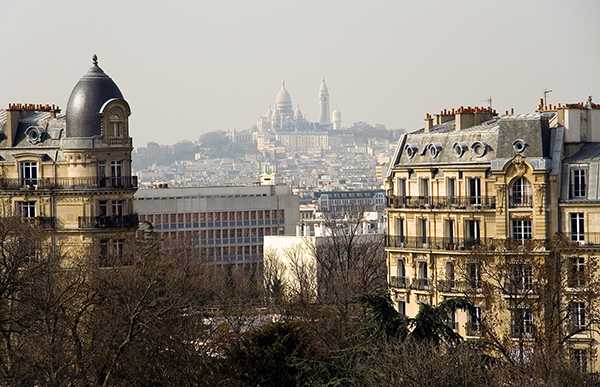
(283, 97)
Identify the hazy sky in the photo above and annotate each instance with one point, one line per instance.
(188, 67)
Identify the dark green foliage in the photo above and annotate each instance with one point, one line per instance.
(266, 357)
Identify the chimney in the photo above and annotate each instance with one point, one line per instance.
(13, 115)
(471, 116)
(428, 123)
(444, 116)
(464, 118)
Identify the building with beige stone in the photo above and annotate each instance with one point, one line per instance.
(501, 210)
(71, 173)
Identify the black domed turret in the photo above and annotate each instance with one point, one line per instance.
(88, 96)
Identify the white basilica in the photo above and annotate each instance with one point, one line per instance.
(287, 119)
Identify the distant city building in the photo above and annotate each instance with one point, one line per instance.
(229, 222)
(289, 129)
(350, 201)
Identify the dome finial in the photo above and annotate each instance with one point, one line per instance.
(95, 60)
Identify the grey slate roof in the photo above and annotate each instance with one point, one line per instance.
(85, 101)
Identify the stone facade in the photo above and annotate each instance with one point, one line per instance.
(72, 173)
(477, 203)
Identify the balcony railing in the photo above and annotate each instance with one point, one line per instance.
(70, 183)
(45, 222)
(431, 243)
(443, 202)
(453, 286)
(585, 238)
(116, 221)
(520, 201)
(399, 282)
(435, 243)
(420, 284)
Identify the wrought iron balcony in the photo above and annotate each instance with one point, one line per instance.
(420, 284)
(45, 222)
(516, 201)
(69, 183)
(399, 282)
(435, 243)
(115, 221)
(443, 202)
(430, 243)
(585, 238)
(454, 286)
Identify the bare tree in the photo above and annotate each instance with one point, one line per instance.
(547, 290)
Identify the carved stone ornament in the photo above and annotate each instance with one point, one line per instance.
(500, 191)
(540, 194)
(520, 166)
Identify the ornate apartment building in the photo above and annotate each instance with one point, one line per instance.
(500, 209)
(71, 173)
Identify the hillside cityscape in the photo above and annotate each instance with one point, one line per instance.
(312, 194)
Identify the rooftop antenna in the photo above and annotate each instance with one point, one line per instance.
(488, 100)
(546, 92)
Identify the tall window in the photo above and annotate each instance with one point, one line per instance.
(474, 191)
(402, 307)
(449, 234)
(29, 173)
(422, 280)
(521, 278)
(115, 129)
(116, 173)
(577, 310)
(103, 262)
(474, 275)
(577, 272)
(117, 207)
(451, 190)
(103, 208)
(401, 274)
(520, 193)
(474, 321)
(450, 280)
(521, 229)
(102, 174)
(400, 269)
(401, 187)
(577, 227)
(400, 230)
(471, 233)
(422, 230)
(578, 183)
(580, 359)
(522, 321)
(119, 247)
(424, 187)
(26, 209)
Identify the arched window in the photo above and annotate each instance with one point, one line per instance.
(115, 126)
(520, 193)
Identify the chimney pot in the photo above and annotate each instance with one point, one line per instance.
(512, 110)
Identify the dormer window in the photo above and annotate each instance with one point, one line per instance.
(578, 183)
